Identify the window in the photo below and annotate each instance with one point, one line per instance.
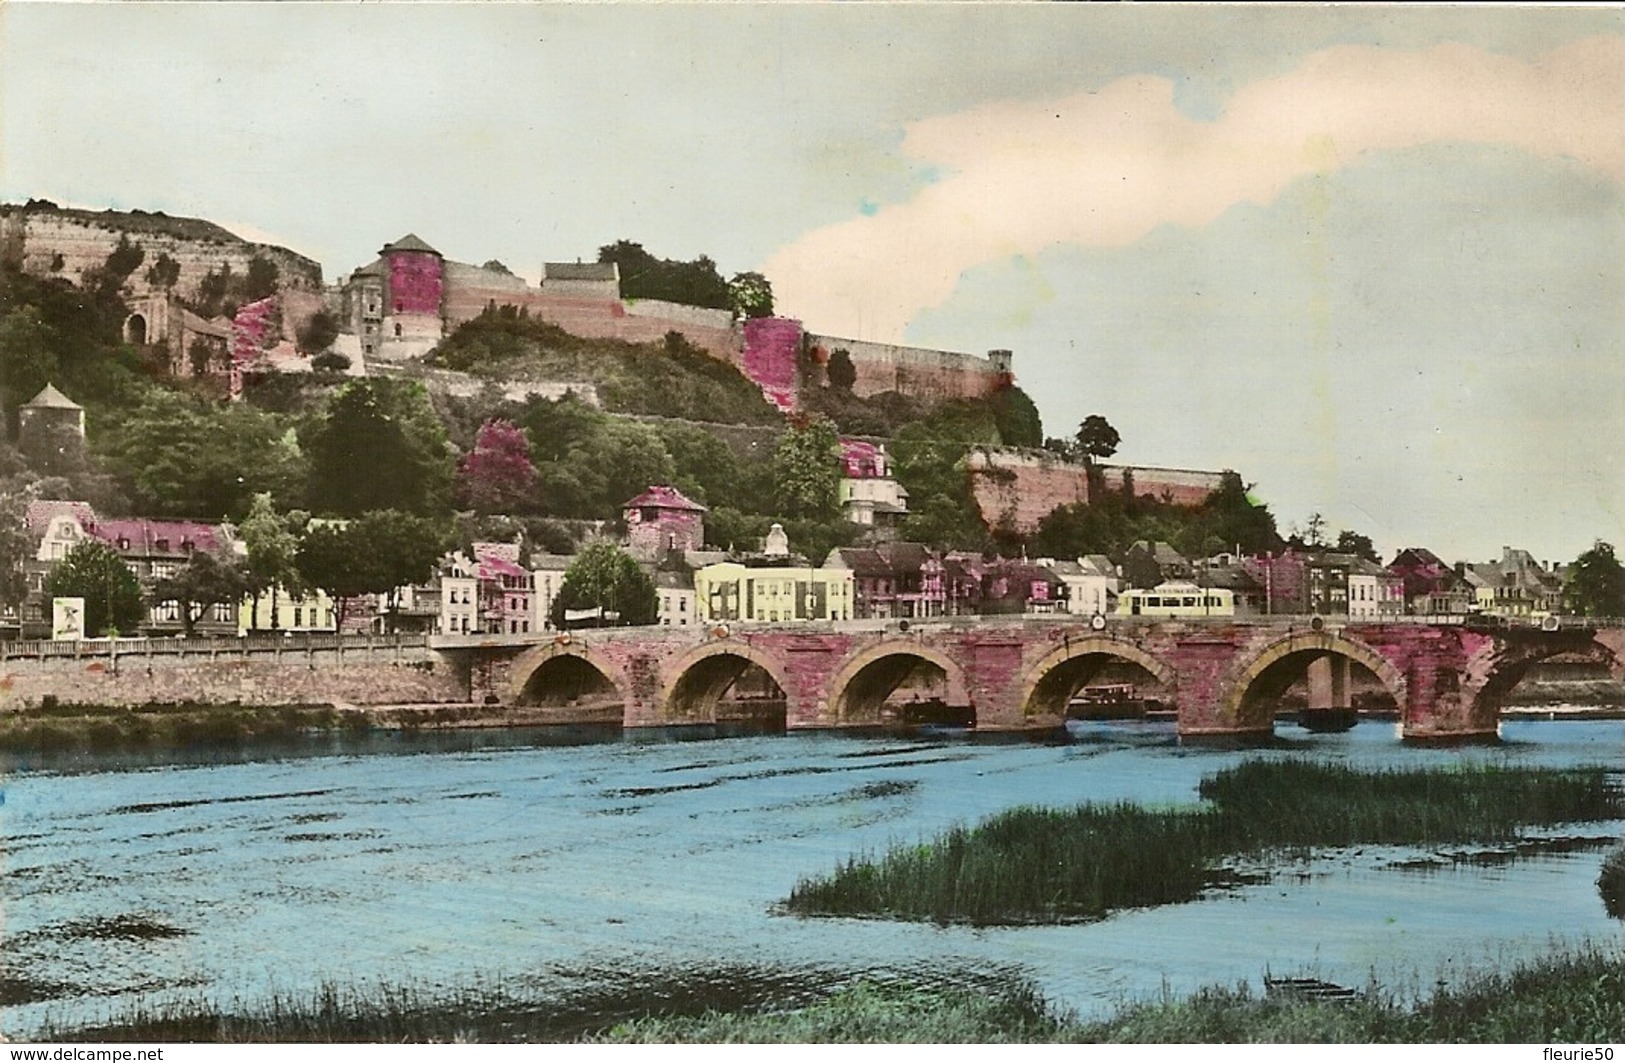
(222, 612)
(170, 610)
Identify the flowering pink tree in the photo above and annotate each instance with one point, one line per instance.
(497, 476)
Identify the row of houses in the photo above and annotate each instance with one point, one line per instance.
(499, 588)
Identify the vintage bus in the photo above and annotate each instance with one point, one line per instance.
(1177, 600)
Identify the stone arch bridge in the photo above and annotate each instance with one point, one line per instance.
(1224, 678)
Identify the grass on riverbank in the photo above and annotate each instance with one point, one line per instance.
(1571, 997)
(1039, 865)
(68, 728)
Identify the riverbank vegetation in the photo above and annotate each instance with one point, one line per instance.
(1030, 864)
(1567, 997)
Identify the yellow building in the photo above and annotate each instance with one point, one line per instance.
(313, 612)
(731, 592)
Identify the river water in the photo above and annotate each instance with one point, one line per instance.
(452, 859)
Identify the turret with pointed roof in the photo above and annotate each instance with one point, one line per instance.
(48, 411)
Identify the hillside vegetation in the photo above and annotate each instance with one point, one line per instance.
(669, 379)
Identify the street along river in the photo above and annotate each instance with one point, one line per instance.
(560, 858)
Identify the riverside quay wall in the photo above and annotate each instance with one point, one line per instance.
(302, 669)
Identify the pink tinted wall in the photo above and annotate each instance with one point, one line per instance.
(414, 283)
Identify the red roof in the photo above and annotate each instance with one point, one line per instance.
(141, 537)
(664, 498)
(492, 566)
(41, 511)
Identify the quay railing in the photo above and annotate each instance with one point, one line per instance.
(209, 646)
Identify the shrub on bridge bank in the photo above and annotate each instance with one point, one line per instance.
(1047, 865)
(1566, 998)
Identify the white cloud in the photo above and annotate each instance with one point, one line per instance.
(1105, 168)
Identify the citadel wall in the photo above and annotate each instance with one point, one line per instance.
(35, 236)
(1019, 488)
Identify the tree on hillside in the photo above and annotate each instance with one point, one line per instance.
(643, 276)
(604, 577)
(28, 358)
(176, 455)
(497, 475)
(380, 446)
(807, 471)
(1097, 438)
(1017, 418)
(751, 295)
(334, 558)
(1595, 583)
(317, 333)
(205, 580)
(840, 371)
(94, 572)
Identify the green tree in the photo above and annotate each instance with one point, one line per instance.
(180, 456)
(94, 572)
(205, 580)
(406, 549)
(318, 333)
(807, 471)
(377, 553)
(164, 271)
(28, 359)
(272, 539)
(1352, 542)
(380, 445)
(603, 576)
(1017, 418)
(1097, 438)
(751, 295)
(1595, 583)
(16, 544)
(335, 559)
(643, 276)
(840, 371)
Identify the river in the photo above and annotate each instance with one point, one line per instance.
(453, 858)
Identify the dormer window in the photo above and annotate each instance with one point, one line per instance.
(162, 546)
(188, 545)
(123, 542)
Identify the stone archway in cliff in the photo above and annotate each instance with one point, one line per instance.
(1051, 684)
(135, 330)
(724, 681)
(566, 676)
(901, 681)
(1259, 684)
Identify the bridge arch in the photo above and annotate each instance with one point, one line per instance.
(1250, 698)
(859, 689)
(563, 672)
(1050, 683)
(1497, 667)
(697, 681)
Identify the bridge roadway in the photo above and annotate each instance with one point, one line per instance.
(1225, 677)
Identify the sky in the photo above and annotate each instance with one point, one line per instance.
(1370, 257)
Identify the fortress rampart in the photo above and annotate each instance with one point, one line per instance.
(58, 242)
(1019, 488)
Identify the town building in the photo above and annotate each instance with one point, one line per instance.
(731, 591)
(1147, 564)
(663, 521)
(1430, 587)
(1374, 592)
(868, 493)
(155, 550)
(1516, 586)
(1091, 583)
